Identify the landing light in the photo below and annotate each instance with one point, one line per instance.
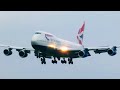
(52, 46)
(64, 49)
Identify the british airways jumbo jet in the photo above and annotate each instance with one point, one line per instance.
(46, 45)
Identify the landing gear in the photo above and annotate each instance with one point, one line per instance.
(58, 58)
(54, 61)
(38, 54)
(63, 61)
(70, 61)
(43, 61)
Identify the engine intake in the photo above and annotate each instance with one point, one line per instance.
(23, 54)
(84, 53)
(7, 52)
(112, 51)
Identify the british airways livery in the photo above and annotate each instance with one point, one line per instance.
(46, 45)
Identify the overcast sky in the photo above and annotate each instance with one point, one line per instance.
(102, 28)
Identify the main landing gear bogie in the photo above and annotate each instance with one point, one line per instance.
(63, 61)
(70, 61)
(43, 61)
(54, 61)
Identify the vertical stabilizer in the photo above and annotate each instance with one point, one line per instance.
(80, 34)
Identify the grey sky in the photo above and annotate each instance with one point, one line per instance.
(102, 28)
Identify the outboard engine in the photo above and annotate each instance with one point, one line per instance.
(7, 52)
(84, 53)
(112, 51)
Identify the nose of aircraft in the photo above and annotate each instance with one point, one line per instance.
(34, 39)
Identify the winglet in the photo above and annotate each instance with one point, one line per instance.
(80, 34)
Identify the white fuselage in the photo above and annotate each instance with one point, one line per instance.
(41, 38)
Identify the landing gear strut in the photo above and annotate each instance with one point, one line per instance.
(70, 61)
(43, 60)
(63, 61)
(38, 54)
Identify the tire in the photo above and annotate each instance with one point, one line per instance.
(65, 62)
(44, 62)
(56, 62)
(71, 62)
(68, 59)
(62, 61)
(41, 59)
(52, 61)
(37, 56)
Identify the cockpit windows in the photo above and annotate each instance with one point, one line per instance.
(37, 33)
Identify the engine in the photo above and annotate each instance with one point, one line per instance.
(7, 52)
(84, 53)
(112, 51)
(23, 53)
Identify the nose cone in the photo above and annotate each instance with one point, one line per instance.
(34, 39)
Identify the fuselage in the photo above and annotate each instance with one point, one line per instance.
(46, 42)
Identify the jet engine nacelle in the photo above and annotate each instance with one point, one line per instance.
(7, 52)
(112, 51)
(84, 53)
(23, 53)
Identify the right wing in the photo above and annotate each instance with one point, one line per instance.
(23, 52)
(17, 48)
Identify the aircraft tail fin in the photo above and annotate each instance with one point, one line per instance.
(80, 34)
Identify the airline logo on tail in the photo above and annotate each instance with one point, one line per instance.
(80, 34)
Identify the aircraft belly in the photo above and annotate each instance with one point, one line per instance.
(52, 52)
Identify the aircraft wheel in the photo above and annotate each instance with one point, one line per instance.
(37, 56)
(68, 59)
(45, 62)
(72, 62)
(68, 62)
(62, 61)
(65, 62)
(52, 61)
(41, 59)
(55, 61)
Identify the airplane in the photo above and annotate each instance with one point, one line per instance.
(46, 45)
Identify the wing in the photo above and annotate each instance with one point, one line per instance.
(17, 48)
(23, 52)
(85, 52)
(111, 50)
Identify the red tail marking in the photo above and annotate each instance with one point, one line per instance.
(81, 29)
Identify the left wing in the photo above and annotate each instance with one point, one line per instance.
(111, 50)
